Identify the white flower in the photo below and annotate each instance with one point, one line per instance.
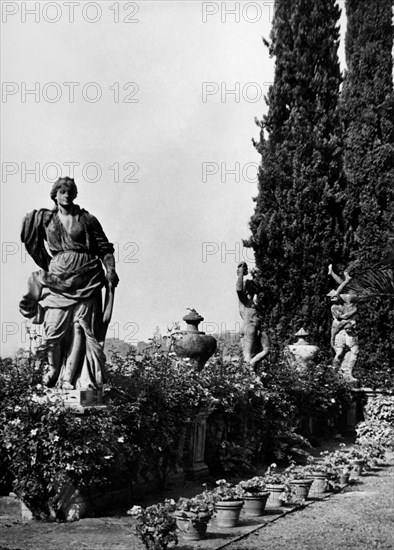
(34, 432)
(121, 439)
(134, 511)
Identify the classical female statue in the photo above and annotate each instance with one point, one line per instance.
(65, 294)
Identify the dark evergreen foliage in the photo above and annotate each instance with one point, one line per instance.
(297, 227)
(367, 110)
(327, 176)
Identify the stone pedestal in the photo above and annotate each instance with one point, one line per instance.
(12, 509)
(79, 401)
(353, 414)
(369, 395)
(195, 467)
(76, 399)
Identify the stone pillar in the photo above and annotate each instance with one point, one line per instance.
(353, 413)
(195, 467)
(369, 395)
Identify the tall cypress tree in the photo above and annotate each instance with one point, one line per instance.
(297, 226)
(368, 113)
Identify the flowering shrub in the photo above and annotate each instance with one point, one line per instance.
(46, 448)
(156, 396)
(377, 436)
(381, 408)
(151, 401)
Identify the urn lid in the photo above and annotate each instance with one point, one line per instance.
(193, 317)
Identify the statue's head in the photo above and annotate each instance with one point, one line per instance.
(349, 297)
(242, 268)
(333, 296)
(64, 183)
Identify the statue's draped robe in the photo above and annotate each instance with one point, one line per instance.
(67, 289)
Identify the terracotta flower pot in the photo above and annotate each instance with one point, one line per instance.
(274, 500)
(254, 504)
(319, 485)
(358, 466)
(227, 512)
(192, 527)
(301, 488)
(344, 478)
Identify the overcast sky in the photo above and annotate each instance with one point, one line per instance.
(151, 106)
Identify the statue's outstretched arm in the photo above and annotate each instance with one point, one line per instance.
(242, 270)
(336, 277)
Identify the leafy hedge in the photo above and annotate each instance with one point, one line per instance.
(140, 435)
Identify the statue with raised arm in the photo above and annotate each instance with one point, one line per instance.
(65, 295)
(344, 339)
(254, 341)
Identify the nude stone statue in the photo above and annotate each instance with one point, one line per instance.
(344, 339)
(255, 342)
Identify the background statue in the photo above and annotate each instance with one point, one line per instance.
(254, 341)
(301, 354)
(344, 339)
(65, 294)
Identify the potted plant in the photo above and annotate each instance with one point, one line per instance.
(317, 471)
(344, 475)
(278, 486)
(337, 466)
(255, 495)
(228, 503)
(358, 461)
(193, 514)
(299, 481)
(156, 525)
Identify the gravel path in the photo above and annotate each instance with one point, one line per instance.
(360, 518)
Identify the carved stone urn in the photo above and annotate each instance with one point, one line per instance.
(192, 343)
(301, 353)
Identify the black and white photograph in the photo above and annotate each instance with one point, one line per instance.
(197, 275)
